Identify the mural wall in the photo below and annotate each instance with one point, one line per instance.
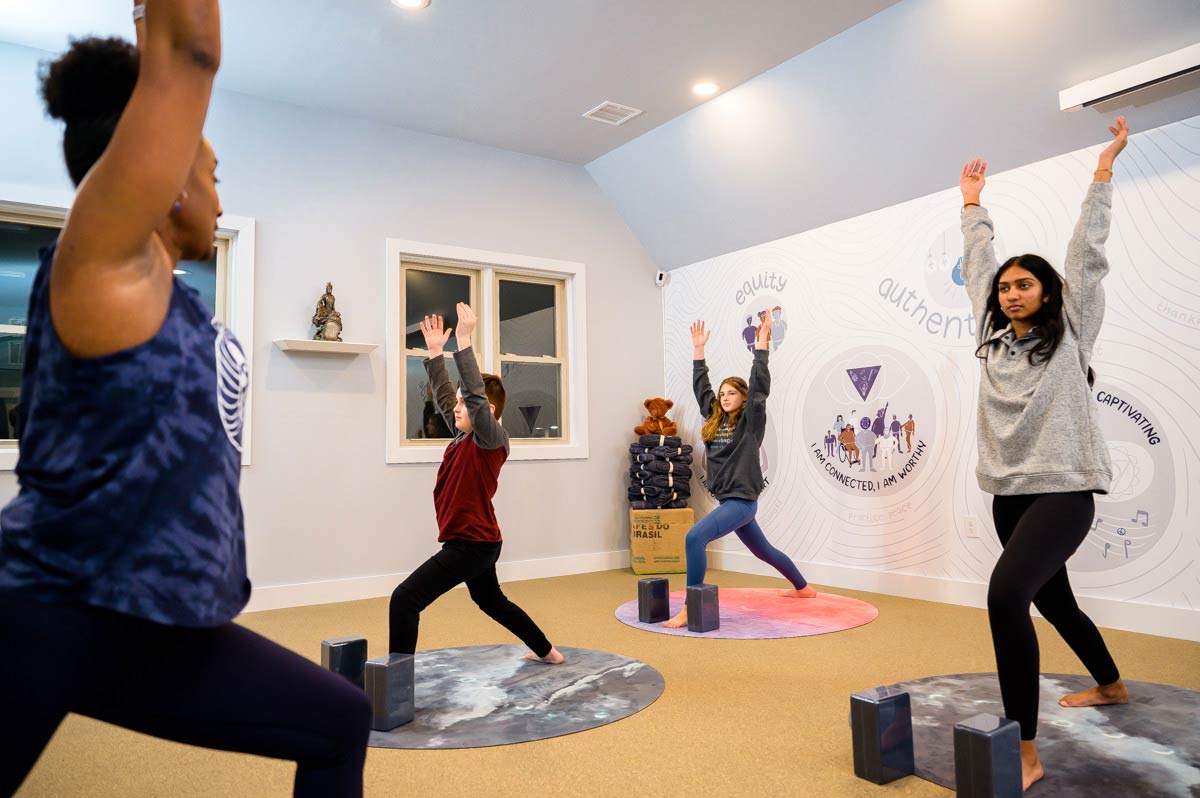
(874, 351)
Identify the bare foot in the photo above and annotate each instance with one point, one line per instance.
(1031, 765)
(1100, 696)
(805, 592)
(679, 620)
(553, 658)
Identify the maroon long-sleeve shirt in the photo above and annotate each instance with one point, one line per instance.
(470, 470)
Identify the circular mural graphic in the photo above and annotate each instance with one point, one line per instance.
(943, 268)
(868, 418)
(1132, 517)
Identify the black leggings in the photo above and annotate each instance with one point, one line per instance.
(224, 687)
(459, 561)
(1039, 533)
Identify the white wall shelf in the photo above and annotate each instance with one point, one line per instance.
(324, 347)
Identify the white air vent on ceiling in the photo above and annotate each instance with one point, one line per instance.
(612, 113)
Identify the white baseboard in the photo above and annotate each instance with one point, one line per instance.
(1151, 619)
(274, 597)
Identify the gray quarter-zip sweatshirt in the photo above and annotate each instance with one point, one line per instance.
(1037, 427)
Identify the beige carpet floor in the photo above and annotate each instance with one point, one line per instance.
(738, 718)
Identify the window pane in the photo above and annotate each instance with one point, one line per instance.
(19, 245)
(533, 400)
(423, 419)
(12, 358)
(528, 322)
(201, 275)
(430, 293)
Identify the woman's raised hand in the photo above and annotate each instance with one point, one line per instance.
(972, 180)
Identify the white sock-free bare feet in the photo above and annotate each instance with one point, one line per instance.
(553, 658)
(679, 620)
(805, 592)
(1031, 766)
(1099, 696)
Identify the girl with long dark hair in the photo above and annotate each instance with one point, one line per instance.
(1041, 452)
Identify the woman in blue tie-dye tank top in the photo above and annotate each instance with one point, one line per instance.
(122, 558)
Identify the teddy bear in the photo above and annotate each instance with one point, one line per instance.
(657, 422)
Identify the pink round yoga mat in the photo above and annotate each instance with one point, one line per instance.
(762, 614)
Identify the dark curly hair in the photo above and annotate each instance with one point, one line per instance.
(88, 87)
(1049, 317)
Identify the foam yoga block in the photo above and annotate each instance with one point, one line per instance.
(881, 729)
(987, 757)
(345, 655)
(654, 605)
(390, 686)
(703, 612)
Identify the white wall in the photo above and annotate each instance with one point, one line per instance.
(879, 290)
(886, 111)
(326, 191)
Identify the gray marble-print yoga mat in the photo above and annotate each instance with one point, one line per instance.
(478, 696)
(1148, 747)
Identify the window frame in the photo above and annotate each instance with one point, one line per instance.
(400, 253)
(560, 335)
(235, 292)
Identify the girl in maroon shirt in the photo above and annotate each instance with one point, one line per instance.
(462, 500)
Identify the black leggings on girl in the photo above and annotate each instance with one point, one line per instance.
(473, 562)
(224, 687)
(1039, 533)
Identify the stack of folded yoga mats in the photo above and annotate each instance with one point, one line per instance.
(660, 473)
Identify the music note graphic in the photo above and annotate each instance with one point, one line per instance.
(1127, 542)
(1122, 532)
(1107, 546)
(1096, 525)
(1143, 516)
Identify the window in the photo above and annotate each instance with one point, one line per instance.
(26, 229)
(430, 290)
(530, 332)
(529, 339)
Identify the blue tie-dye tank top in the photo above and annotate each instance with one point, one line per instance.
(128, 469)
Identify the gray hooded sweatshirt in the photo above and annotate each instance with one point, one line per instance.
(1037, 427)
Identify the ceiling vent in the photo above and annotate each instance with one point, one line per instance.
(612, 113)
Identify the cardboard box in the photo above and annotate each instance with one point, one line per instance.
(656, 540)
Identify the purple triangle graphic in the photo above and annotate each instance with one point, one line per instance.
(864, 379)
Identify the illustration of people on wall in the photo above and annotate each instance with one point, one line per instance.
(887, 444)
(749, 333)
(880, 421)
(847, 439)
(830, 442)
(778, 326)
(895, 428)
(866, 445)
(909, 428)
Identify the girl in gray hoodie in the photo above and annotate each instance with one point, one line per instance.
(1041, 453)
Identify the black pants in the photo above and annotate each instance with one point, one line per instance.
(459, 561)
(225, 687)
(1039, 533)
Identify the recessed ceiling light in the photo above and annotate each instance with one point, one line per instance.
(180, 271)
(705, 89)
(412, 4)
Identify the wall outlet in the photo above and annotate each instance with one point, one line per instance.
(970, 525)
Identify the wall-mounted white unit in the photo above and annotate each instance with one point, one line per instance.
(1123, 81)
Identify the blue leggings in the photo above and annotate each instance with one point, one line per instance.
(736, 515)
